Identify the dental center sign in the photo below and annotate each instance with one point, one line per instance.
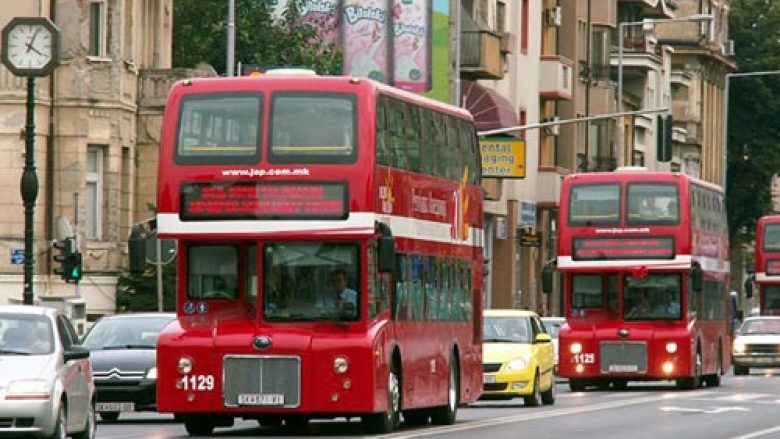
(503, 157)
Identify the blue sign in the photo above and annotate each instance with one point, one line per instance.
(188, 308)
(17, 256)
(202, 307)
(527, 215)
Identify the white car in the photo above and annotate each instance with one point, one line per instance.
(46, 386)
(756, 344)
(553, 325)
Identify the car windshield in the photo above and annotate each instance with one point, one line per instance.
(506, 329)
(125, 333)
(760, 326)
(25, 334)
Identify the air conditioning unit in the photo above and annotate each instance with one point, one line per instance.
(728, 48)
(554, 130)
(554, 16)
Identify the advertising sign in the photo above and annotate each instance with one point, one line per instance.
(365, 35)
(412, 44)
(503, 158)
(590, 249)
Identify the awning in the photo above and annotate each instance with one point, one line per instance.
(490, 109)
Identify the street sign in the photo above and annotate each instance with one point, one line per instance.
(17, 256)
(503, 157)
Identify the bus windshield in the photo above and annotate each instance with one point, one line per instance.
(652, 203)
(654, 297)
(311, 281)
(594, 204)
(772, 237)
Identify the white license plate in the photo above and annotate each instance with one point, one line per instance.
(261, 399)
(115, 407)
(489, 379)
(623, 368)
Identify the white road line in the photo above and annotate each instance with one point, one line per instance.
(759, 433)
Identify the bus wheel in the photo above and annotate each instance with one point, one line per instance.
(695, 381)
(576, 384)
(535, 398)
(390, 419)
(199, 426)
(446, 415)
(714, 379)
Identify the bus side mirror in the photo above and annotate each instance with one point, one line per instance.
(547, 277)
(748, 288)
(386, 256)
(696, 278)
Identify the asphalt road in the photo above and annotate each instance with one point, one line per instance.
(742, 407)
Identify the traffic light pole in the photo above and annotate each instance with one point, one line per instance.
(29, 189)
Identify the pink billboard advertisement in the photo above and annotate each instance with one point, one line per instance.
(322, 14)
(365, 37)
(412, 44)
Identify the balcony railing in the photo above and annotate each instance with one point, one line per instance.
(480, 55)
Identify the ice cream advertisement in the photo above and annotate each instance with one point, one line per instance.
(322, 14)
(365, 36)
(412, 44)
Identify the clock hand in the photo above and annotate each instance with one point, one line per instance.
(31, 48)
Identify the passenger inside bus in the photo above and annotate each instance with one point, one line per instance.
(640, 308)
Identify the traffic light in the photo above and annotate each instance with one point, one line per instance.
(69, 259)
(664, 127)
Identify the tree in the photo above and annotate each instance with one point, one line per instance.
(754, 103)
(200, 35)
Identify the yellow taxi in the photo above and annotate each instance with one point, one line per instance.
(517, 357)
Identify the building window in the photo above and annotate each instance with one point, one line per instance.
(93, 228)
(97, 33)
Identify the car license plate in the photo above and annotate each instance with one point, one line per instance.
(623, 368)
(115, 407)
(261, 399)
(489, 379)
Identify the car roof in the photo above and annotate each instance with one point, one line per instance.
(28, 309)
(139, 315)
(554, 319)
(752, 318)
(508, 313)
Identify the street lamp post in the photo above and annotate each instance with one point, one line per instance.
(726, 112)
(621, 31)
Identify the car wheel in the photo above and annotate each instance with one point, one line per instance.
(60, 425)
(109, 416)
(446, 415)
(90, 425)
(548, 396)
(535, 398)
(741, 370)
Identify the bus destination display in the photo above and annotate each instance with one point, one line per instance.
(589, 249)
(257, 200)
(773, 267)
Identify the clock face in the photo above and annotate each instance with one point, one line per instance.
(30, 46)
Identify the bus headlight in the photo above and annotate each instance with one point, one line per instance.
(671, 347)
(668, 368)
(739, 347)
(575, 348)
(340, 365)
(184, 365)
(517, 364)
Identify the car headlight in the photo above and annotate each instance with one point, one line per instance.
(184, 365)
(739, 347)
(151, 374)
(517, 364)
(28, 389)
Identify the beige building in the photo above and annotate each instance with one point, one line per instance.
(97, 117)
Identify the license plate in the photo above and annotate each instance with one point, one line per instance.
(623, 368)
(489, 379)
(115, 407)
(261, 399)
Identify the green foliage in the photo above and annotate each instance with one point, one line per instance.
(200, 35)
(138, 292)
(754, 103)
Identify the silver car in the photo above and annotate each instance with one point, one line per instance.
(756, 344)
(46, 386)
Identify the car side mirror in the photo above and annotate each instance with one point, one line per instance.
(76, 353)
(543, 338)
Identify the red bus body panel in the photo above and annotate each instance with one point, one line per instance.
(229, 328)
(592, 328)
(767, 269)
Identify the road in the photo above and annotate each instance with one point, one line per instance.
(744, 407)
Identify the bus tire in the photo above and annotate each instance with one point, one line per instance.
(576, 384)
(714, 379)
(199, 425)
(445, 415)
(390, 419)
(693, 382)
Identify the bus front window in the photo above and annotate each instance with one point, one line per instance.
(772, 237)
(311, 281)
(212, 272)
(594, 204)
(653, 297)
(652, 203)
(772, 298)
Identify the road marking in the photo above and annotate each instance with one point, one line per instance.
(539, 415)
(713, 410)
(759, 433)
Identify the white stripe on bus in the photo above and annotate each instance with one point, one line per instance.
(680, 262)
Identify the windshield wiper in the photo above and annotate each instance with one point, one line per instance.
(12, 352)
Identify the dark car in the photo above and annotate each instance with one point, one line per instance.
(123, 356)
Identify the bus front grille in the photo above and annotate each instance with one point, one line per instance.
(623, 357)
(261, 381)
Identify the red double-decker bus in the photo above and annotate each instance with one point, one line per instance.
(644, 264)
(767, 269)
(330, 250)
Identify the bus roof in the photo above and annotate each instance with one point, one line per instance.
(637, 173)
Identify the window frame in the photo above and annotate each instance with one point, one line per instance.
(96, 178)
(97, 46)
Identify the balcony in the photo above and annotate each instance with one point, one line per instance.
(480, 55)
(555, 77)
(549, 183)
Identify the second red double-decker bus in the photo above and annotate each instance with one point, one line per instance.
(644, 262)
(767, 269)
(330, 253)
